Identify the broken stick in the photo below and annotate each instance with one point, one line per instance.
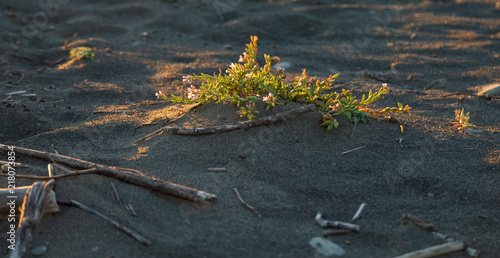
(335, 224)
(433, 251)
(123, 174)
(229, 127)
(35, 202)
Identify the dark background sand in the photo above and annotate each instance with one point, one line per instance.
(288, 171)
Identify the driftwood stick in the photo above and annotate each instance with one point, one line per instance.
(229, 127)
(335, 224)
(18, 196)
(433, 251)
(127, 175)
(470, 251)
(35, 202)
(246, 204)
(127, 230)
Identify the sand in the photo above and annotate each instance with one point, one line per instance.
(288, 171)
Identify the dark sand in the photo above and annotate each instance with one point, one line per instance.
(289, 171)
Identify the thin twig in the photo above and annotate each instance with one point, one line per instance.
(358, 213)
(127, 207)
(55, 151)
(355, 149)
(246, 204)
(125, 229)
(431, 85)
(229, 127)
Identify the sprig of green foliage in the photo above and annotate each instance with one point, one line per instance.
(245, 83)
(462, 122)
(81, 53)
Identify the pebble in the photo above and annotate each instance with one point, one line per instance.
(285, 65)
(39, 251)
(476, 131)
(227, 46)
(326, 247)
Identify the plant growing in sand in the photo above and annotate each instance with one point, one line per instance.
(462, 122)
(246, 83)
(82, 53)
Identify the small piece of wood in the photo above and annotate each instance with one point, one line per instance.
(246, 204)
(123, 174)
(229, 127)
(335, 224)
(35, 202)
(433, 251)
(470, 251)
(431, 85)
(358, 213)
(127, 230)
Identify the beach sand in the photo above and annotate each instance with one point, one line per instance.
(289, 171)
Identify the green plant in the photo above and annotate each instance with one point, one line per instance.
(462, 122)
(81, 53)
(246, 83)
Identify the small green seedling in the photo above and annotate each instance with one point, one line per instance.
(82, 53)
(246, 83)
(462, 122)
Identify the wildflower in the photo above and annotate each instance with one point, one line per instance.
(334, 107)
(268, 97)
(160, 94)
(233, 66)
(227, 71)
(242, 58)
(248, 75)
(384, 85)
(192, 93)
(280, 69)
(187, 78)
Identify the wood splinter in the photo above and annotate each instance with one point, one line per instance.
(358, 213)
(335, 224)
